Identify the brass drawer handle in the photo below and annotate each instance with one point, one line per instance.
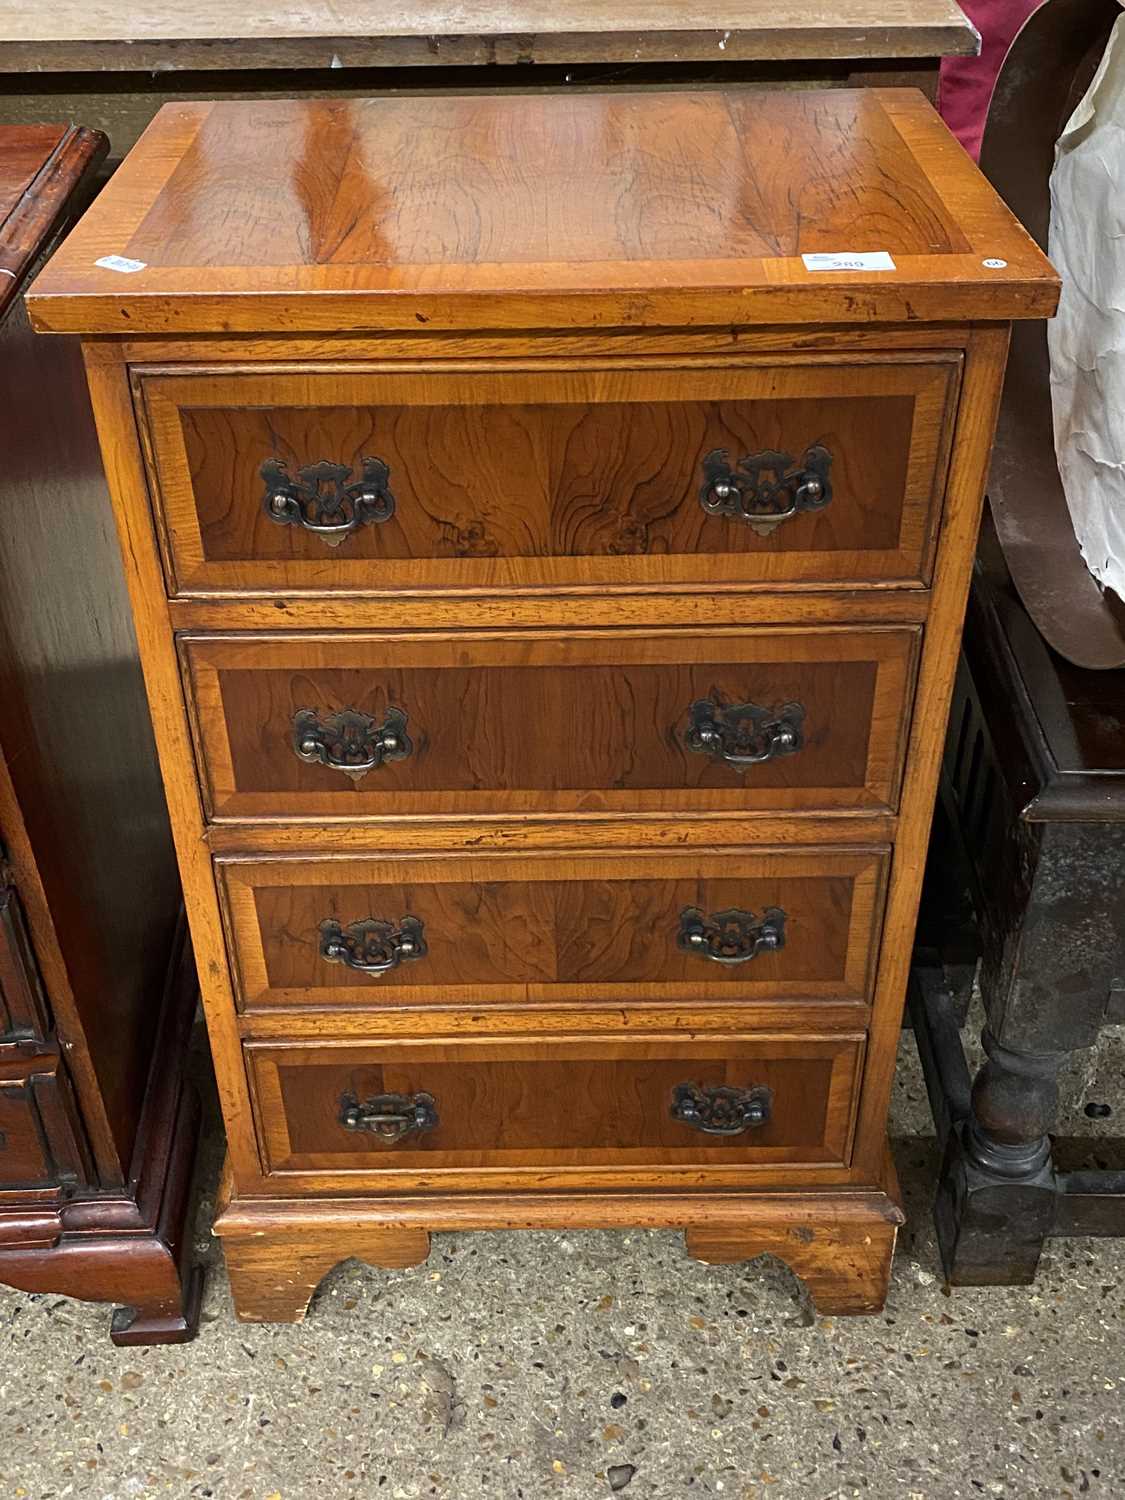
(372, 946)
(769, 489)
(350, 741)
(321, 501)
(390, 1118)
(744, 734)
(731, 937)
(720, 1110)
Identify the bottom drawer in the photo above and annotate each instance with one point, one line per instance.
(39, 1136)
(410, 1112)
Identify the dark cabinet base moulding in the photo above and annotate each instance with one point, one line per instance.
(131, 1246)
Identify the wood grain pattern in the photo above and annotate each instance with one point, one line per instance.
(526, 477)
(548, 723)
(225, 354)
(41, 1141)
(77, 742)
(550, 1105)
(976, 425)
(132, 1245)
(564, 930)
(125, 476)
(25, 1157)
(582, 210)
(506, 305)
(45, 171)
(846, 1266)
(25, 1010)
(93, 1176)
(278, 1250)
(725, 1012)
(322, 34)
(704, 609)
(272, 1284)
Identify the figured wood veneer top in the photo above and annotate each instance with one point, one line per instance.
(542, 211)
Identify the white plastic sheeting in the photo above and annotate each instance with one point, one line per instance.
(1087, 339)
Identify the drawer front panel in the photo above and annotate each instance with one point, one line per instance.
(545, 723)
(40, 1138)
(558, 1105)
(683, 928)
(24, 1011)
(461, 479)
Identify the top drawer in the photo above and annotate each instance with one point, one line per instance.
(780, 470)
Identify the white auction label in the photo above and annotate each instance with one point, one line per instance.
(120, 263)
(859, 260)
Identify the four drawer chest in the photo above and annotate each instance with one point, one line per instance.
(549, 521)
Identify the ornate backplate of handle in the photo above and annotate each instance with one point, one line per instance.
(764, 489)
(350, 741)
(372, 946)
(743, 734)
(390, 1118)
(717, 1109)
(731, 937)
(321, 500)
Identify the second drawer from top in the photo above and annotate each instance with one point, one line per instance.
(353, 726)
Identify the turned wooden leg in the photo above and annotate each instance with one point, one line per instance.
(846, 1266)
(997, 1194)
(273, 1276)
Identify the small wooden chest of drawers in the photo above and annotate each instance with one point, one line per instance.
(549, 521)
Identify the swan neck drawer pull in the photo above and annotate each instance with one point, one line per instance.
(743, 734)
(372, 946)
(321, 500)
(764, 489)
(350, 741)
(731, 937)
(390, 1118)
(720, 1110)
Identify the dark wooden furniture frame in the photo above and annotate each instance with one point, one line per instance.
(97, 987)
(1031, 823)
(1025, 871)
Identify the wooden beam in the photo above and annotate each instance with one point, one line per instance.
(208, 35)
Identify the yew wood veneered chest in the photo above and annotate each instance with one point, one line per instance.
(549, 520)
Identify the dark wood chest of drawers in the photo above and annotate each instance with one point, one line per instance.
(97, 1131)
(548, 578)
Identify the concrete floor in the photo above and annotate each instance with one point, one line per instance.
(520, 1366)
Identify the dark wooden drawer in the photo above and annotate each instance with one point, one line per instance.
(587, 475)
(40, 1138)
(547, 723)
(554, 1106)
(575, 929)
(24, 1011)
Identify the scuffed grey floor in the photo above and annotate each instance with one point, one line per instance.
(520, 1366)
